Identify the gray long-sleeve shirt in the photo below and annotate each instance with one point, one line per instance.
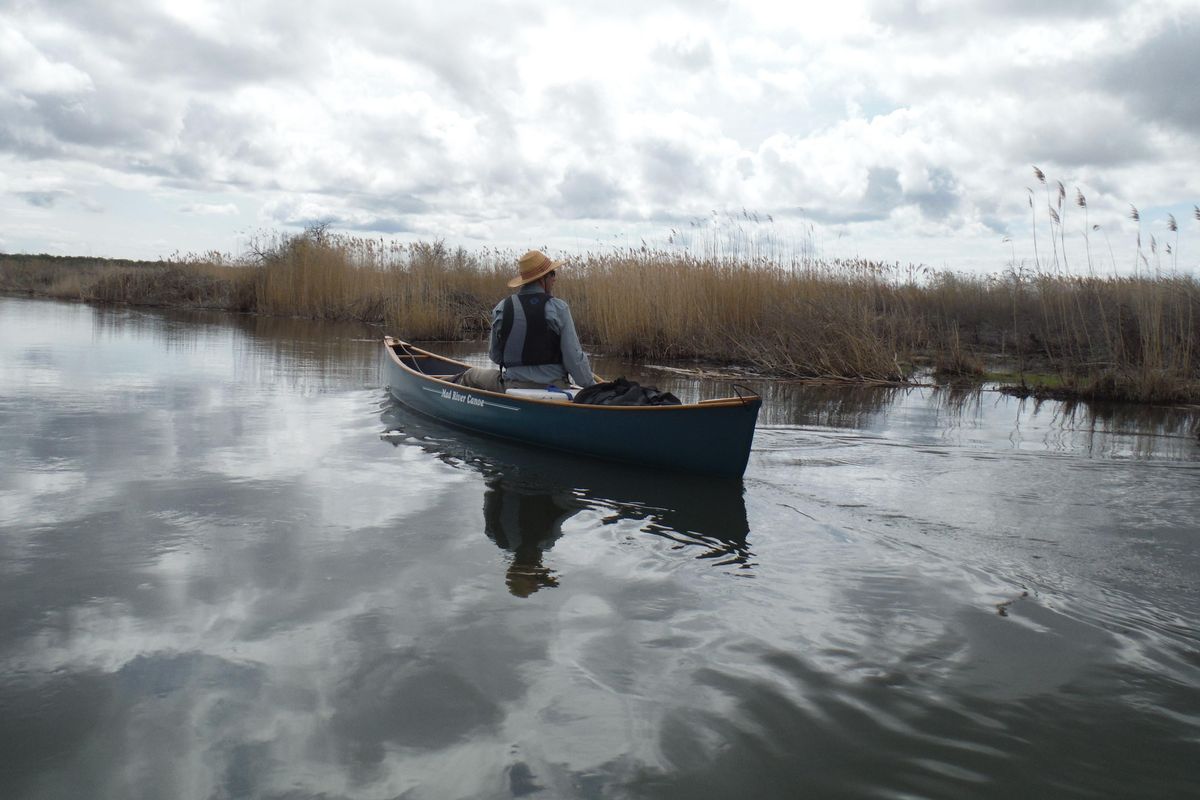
(558, 318)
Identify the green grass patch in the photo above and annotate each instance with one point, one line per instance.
(1036, 380)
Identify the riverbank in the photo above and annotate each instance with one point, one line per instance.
(1098, 338)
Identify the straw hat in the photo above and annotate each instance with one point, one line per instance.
(532, 266)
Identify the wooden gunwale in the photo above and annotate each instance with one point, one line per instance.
(392, 343)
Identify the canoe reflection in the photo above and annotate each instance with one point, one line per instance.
(531, 493)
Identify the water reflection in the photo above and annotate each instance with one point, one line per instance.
(217, 581)
(525, 520)
(1097, 429)
(530, 494)
(1152, 430)
(316, 355)
(826, 405)
(306, 355)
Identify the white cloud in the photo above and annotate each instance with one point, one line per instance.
(26, 69)
(501, 123)
(211, 209)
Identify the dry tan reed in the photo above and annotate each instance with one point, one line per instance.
(1133, 338)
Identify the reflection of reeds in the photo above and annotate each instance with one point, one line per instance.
(1133, 337)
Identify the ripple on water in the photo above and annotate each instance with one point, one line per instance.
(220, 580)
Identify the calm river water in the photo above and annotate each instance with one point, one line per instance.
(230, 568)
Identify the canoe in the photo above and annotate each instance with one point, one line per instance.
(711, 437)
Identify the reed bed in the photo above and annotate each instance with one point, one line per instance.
(798, 320)
(1123, 337)
(427, 291)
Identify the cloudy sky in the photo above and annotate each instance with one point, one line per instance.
(903, 131)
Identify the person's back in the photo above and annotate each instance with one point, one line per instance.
(533, 337)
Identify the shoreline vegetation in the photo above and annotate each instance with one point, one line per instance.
(1042, 332)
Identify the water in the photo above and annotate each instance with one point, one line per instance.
(230, 568)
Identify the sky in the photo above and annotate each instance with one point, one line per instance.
(902, 131)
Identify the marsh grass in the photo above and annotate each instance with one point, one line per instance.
(1123, 337)
(799, 321)
(187, 285)
(63, 277)
(428, 291)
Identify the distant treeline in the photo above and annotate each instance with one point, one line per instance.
(45, 260)
(1118, 337)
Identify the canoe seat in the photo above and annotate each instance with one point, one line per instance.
(559, 396)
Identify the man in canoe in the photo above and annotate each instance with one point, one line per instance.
(533, 336)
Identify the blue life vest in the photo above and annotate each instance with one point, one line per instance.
(525, 337)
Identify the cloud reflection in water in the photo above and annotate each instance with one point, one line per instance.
(531, 493)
